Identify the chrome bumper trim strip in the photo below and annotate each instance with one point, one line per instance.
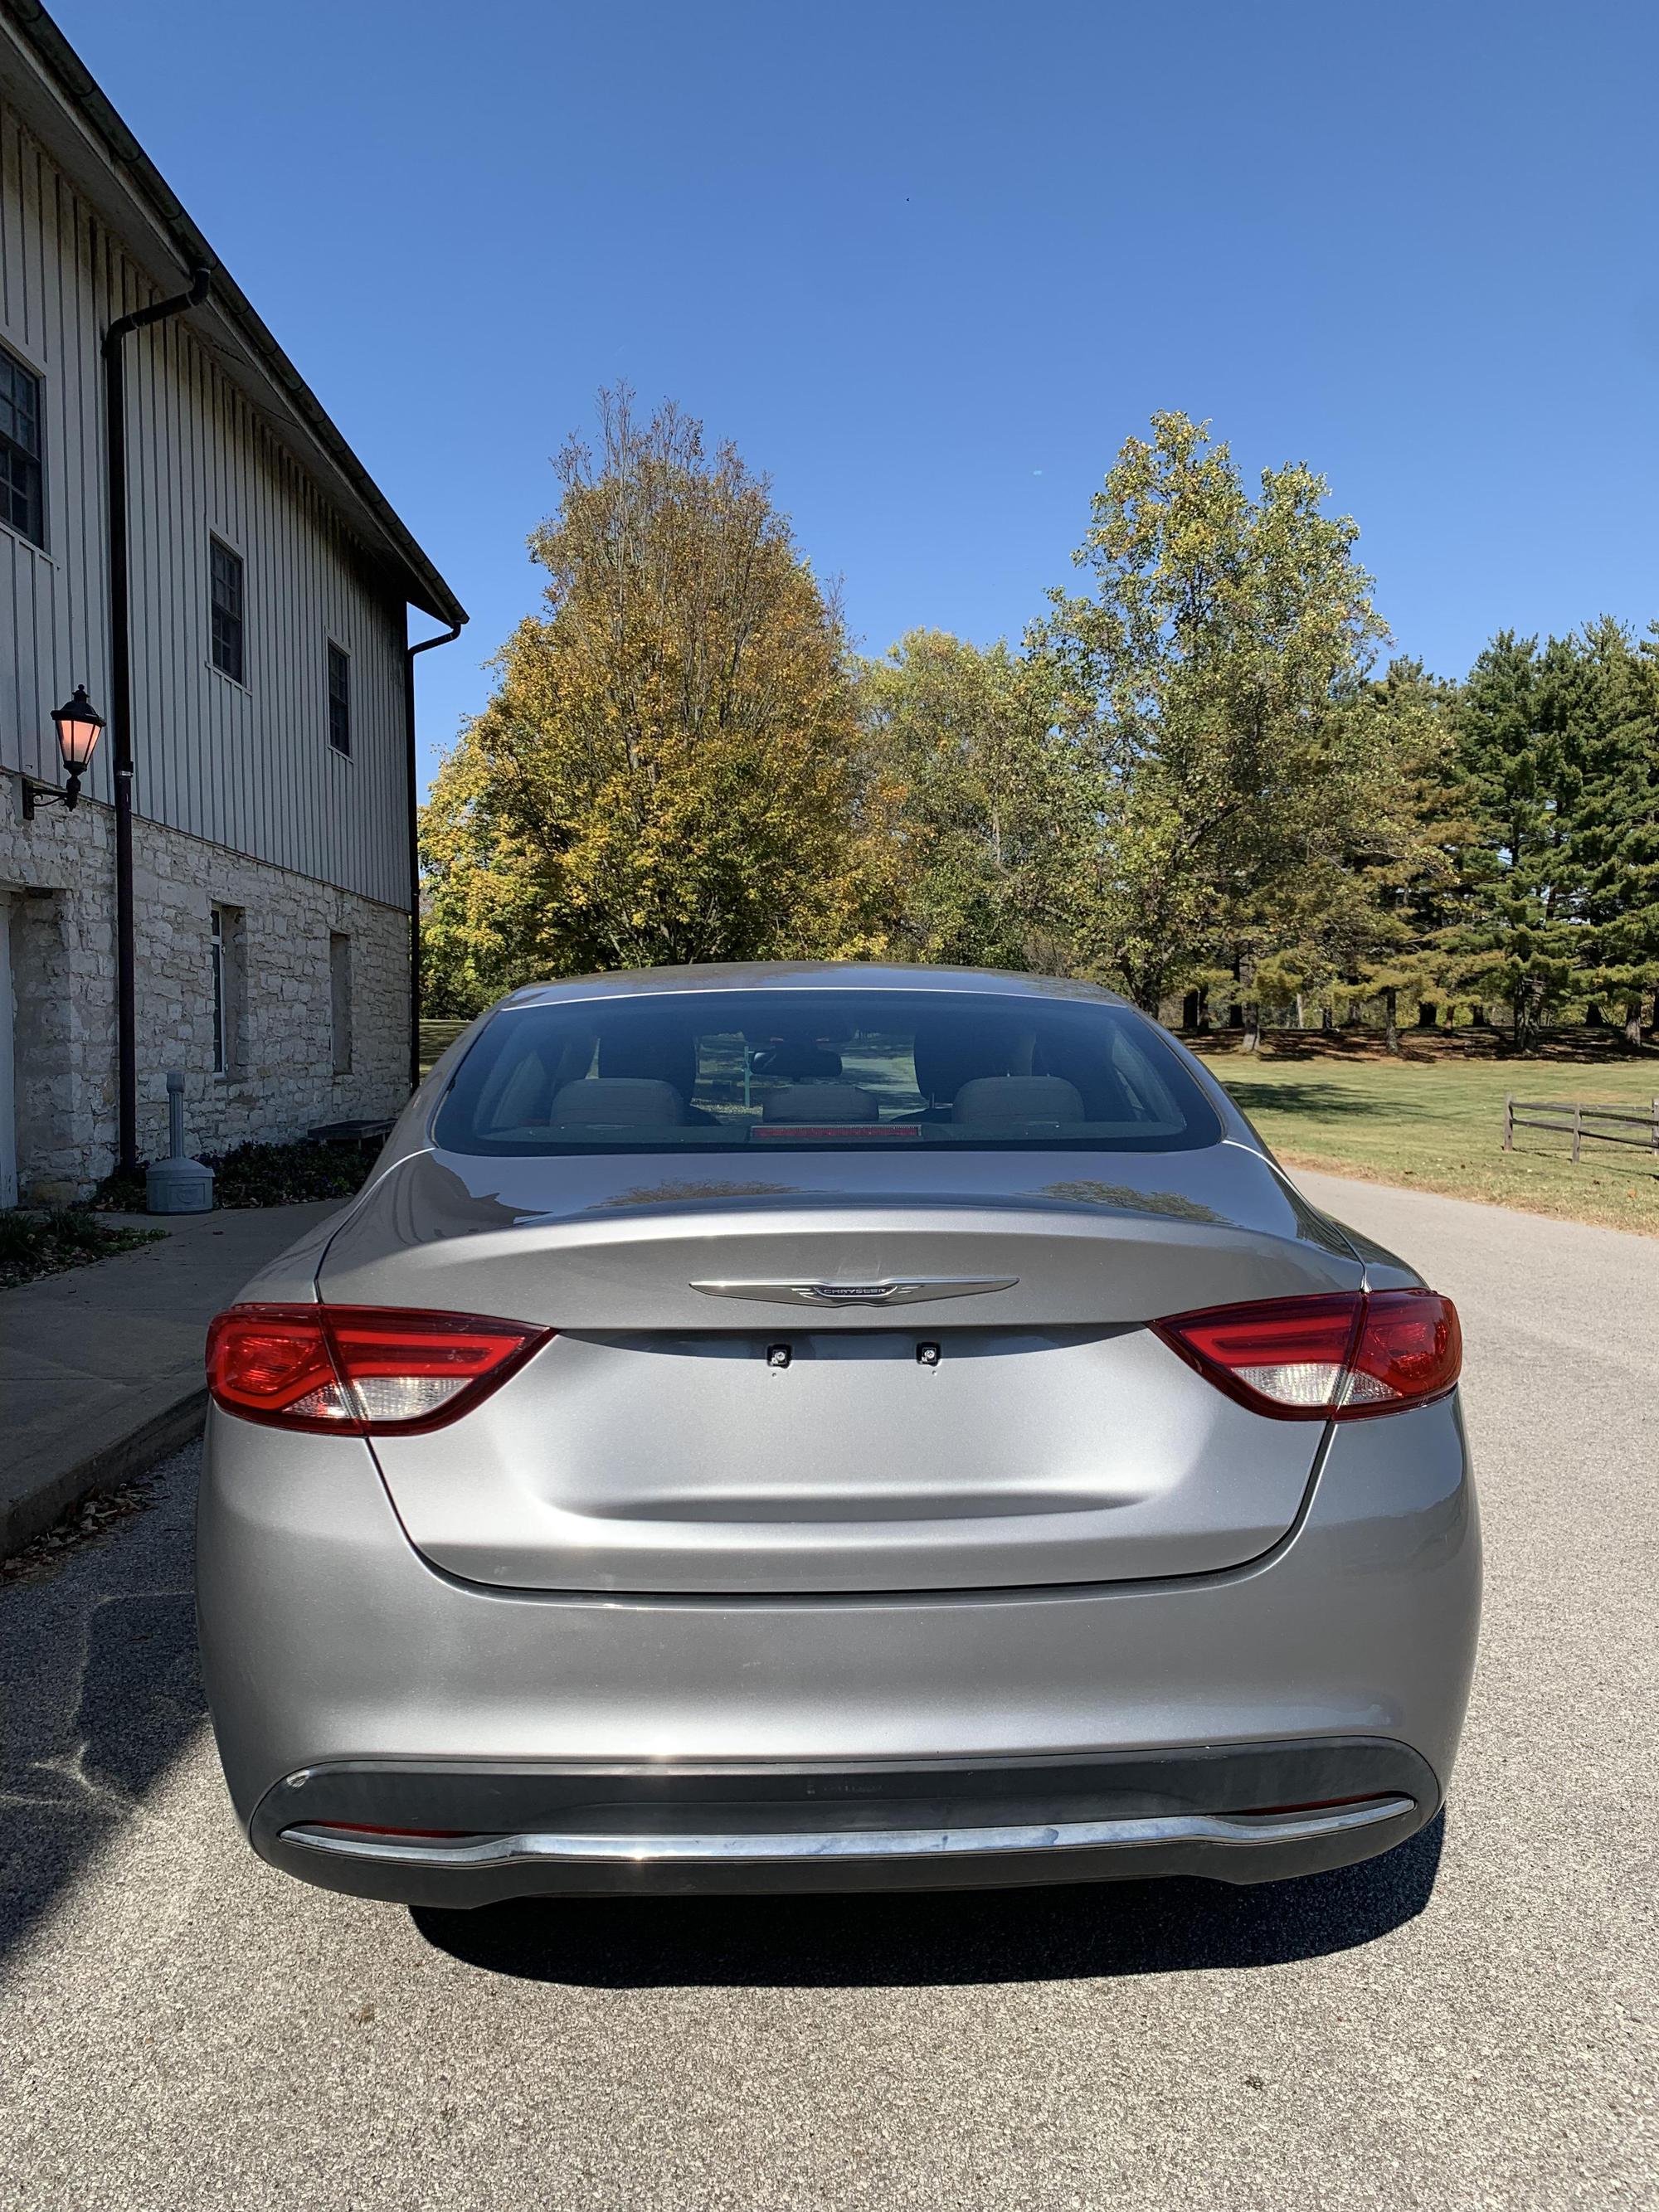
(1229, 1828)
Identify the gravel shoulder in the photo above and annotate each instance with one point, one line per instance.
(181, 2027)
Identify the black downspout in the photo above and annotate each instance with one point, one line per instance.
(121, 652)
(447, 637)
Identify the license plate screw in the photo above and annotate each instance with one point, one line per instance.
(778, 1355)
(927, 1355)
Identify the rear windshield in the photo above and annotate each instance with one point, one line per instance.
(810, 1071)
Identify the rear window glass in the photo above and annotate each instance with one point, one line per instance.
(844, 1070)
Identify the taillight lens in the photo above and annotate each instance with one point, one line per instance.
(1331, 1358)
(359, 1370)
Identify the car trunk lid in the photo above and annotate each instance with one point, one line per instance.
(939, 1384)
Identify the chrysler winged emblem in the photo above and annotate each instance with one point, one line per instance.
(787, 1291)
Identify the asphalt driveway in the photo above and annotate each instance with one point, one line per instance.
(1470, 2022)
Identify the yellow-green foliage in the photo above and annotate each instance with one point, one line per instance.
(989, 802)
(670, 768)
(1215, 668)
(1190, 779)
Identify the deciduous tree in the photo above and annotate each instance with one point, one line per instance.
(670, 768)
(1210, 664)
(989, 815)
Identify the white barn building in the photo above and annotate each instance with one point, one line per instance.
(267, 699)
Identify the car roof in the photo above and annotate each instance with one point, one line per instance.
(807, 975)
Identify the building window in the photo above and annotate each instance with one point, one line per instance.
(225, 974)
(339, 999)
(339, 700)
(22, 498)
(225, 595)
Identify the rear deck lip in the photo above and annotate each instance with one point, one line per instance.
(792, 1846)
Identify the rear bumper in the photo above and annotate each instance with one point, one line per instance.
(474, 1833)
(1336, 1667)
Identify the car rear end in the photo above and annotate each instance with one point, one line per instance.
(831, 1428)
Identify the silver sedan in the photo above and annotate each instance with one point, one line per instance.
(810, 1426)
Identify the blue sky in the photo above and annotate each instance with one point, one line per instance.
(929, 264)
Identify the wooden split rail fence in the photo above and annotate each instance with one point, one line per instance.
(1571, 1120)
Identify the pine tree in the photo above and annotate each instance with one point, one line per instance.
(1615, 835)
(1364, 920)
(1404, 867)
(1515, 779)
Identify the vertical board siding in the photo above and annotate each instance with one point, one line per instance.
(247, 766)
(43, 600)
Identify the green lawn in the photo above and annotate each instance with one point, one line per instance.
(1435, 1119)
(436, 1037)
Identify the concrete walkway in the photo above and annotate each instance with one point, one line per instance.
(100, 1369)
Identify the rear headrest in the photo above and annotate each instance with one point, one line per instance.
(616, 1101)
(821, 1102)
(640, 1054)
(945, 1062)
(996, 1101)
(799, 1060)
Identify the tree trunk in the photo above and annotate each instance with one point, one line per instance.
(1189, 1011)
(1251, 1010)
(1594, 1017)
(1391, 1017)
(1299, 1022)
(1529, 1008)
(1633, 1024)
(1203, 1005)
(1428, 1015)
(1326, 1018)
(1236, 1005)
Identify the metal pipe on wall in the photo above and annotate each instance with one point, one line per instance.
(447, 637)
(120, 648)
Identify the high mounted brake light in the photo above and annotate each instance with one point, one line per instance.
(359, 1370)
(1341, 1358)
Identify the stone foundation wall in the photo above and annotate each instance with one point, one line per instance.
(281, 1077)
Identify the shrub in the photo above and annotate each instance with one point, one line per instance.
(36, 1244)
(259, 1175)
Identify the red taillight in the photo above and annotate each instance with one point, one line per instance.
(359, 1370)
(1411, 1345)
(1329, 1358)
